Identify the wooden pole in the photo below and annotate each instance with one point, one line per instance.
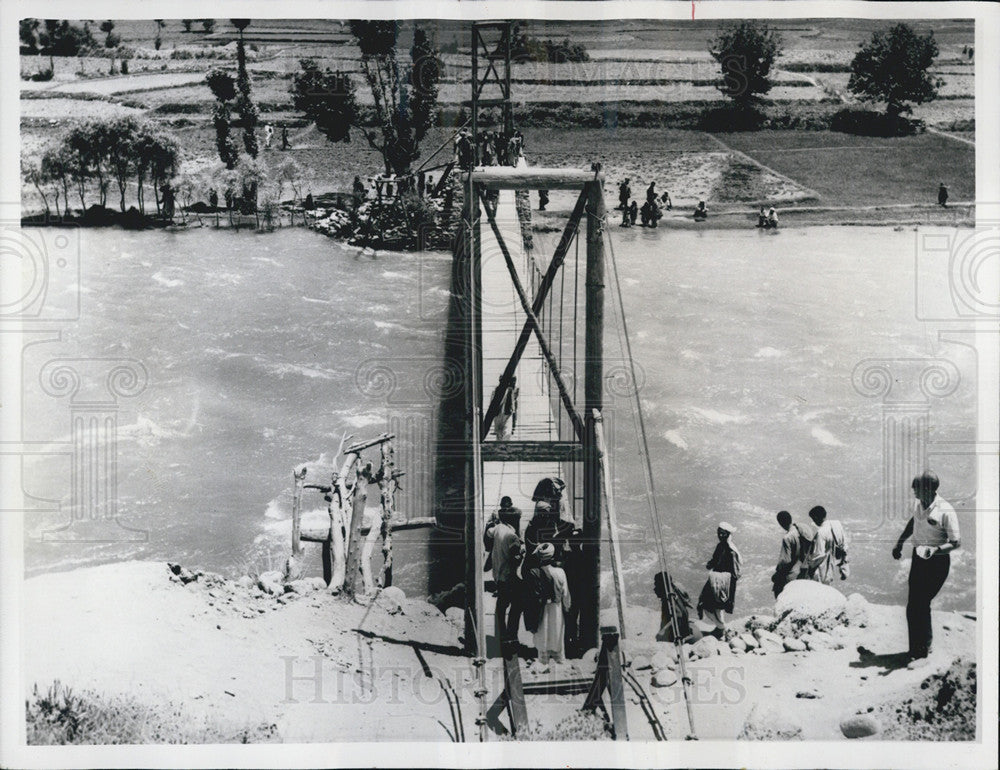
(298, 477)
(387, 485)
(359, 498)
(593, 401)
(609, 503)
(475, 95)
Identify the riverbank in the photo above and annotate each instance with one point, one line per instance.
(252, 658)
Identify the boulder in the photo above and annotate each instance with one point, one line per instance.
(794, 645)
(665, 659)
(664, 678)
(270, 583)
(456, 615)
(809, 598)
(706, 647)
(859, 726)
(820, 640)
(641, 662)
(855, 611)
(736, 644)
(755, 622)
(748, 640)
(300, 587)
(246, 582)
(391, 599)
(768, 641)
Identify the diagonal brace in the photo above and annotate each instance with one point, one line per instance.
(543, 289)
(533, 320)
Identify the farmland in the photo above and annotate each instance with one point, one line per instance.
(659, 69)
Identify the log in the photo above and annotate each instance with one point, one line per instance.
(359, 497)
(533, 178)
(297, 478)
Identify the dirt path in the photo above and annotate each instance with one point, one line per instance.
(809, 192)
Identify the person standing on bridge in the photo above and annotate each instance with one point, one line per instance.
(550, 636)
(719, 592)
(503, 542)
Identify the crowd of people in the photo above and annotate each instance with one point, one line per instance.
(487, 148)
(538, 575)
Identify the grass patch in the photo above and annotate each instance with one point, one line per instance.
(851, 170)
(59, 716)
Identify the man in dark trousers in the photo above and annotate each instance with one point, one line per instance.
(503, 541)
(942, 195)
(624, 193)
(933, 525)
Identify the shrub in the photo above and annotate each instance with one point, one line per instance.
(41, 75)
(59, 716)
(869, 123)
(732, 118)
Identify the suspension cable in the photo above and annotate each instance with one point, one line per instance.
(626, 345)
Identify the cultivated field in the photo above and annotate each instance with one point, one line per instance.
(641, 61)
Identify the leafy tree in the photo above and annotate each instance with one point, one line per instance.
(111, 40)
(244, 100)
(60, 38)
(187, 24)
(33, 174)
(208, 25)
(401, 115)
(122, 133)
(326, 98)
(223, 87)
(745, 52)
(160, 24)
(893, 67)
(28, 31)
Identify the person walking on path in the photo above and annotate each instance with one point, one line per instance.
(285, 144)
(724, 569)
(790, 558)
(942, 195)
(503, 542)
(828, 557)
(549, 638)
(934, 527)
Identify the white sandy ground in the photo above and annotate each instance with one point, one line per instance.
(222, 650)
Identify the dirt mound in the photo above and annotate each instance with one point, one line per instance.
(944, 708)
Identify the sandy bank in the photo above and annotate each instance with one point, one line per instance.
(320, 668)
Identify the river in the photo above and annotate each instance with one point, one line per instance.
(262, 351)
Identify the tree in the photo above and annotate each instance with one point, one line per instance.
(244, 100)
(401, 127)
(57, 168)
(121, 159)
(223, 87)
(111, 40)
(326, 98)
(745, 52)
(160, 24)
(33, 174)
(208, 25)
(892, 67)
(28, 31)
(187, 24)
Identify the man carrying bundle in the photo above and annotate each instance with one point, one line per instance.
(719, 592)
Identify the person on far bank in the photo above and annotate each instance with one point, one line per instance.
(718, 595)
(942, 195)
(543, 199)
(933, 526)
(624, 193)
(772, 219)
(503, 542)
(700, 212)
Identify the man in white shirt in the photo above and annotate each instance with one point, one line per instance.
(934, 526)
